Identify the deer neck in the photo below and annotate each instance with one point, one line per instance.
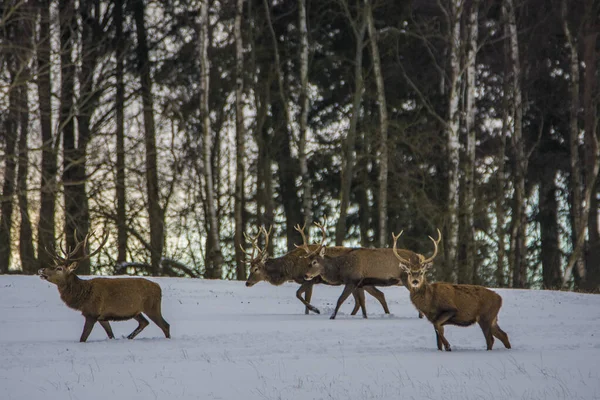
(421, 294)
(331, 270)
(74, 291)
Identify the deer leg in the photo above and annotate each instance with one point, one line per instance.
(359, 302)
(303, 288)
(107, 329)
(308, 296)
(487, 332)
(348, 289)
(439, 331)
(162, 324)
(438, 339)
(87, 328)
(500, 334)
(356, 302)
(438, 324)
(143, 322)
(378, 294)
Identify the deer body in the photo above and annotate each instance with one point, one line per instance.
(451, 304)
(355, 269)
(106, 299)
(293, 267)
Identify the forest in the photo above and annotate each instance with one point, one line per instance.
(180, 127)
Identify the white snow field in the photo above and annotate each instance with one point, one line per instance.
(234, 342)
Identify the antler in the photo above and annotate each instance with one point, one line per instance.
(435, 244)
(267, 234)
(254, 241)
(403, 261)
(69, 256)
(305, 242)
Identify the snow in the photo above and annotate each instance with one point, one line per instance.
(234, 342)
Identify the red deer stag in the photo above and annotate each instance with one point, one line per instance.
(293, 267)
(450, 304)
(355, 268)
(105, 299)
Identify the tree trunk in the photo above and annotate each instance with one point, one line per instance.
(350, 144)
(46, 224)
(287, 176)
(549, 229)
(383, 128)
(73, 176)
(362, 188)
(11, 123)
(470, 273)
(287, 170)
(519, 223)
(120, 135)
(240, 136)
(155, 211)
(26, 251)
(304, 104)
(575, 173)
(453, 130)
(500, 172)
(214, 257)
(590, 98)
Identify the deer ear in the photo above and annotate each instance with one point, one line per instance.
(322, 252)
(72, 267)
(427, 266)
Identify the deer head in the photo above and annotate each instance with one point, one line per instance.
(66, 264)
(416, 268)
(314, 257)
(257, 263)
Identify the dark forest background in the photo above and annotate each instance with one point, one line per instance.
(178, 126)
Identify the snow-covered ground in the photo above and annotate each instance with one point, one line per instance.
(234, 342)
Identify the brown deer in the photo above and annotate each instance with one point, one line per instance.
(105, 299)
(355, 269)
(293, 267)
(450, 304)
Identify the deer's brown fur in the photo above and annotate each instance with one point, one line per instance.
(451, 304)
(293, 267)
(106, 299)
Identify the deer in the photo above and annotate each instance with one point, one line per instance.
(104, 299)
(292, 267)
(356, 268)
(451, 304)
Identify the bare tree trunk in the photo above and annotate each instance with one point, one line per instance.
(519, 246)
(155, 210)
(46, 225)
(11, 124)
(26, 251)
(73, 176)
(592, 158)
(214, 257)
(362, 187)
(549, 229)
(350, 144)
(500, 172)
(240, 135)
(87, 103)
(304, 104)
(575, 176)
(287, 170)
(383, 128)
(453, 131)
(120, 135)
(471, 274)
